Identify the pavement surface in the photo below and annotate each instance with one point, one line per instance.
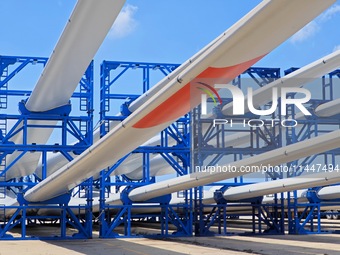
(234, 245)
(322, 244)
(135, 246)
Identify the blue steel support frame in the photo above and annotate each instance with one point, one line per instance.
(260, 141)
(110, 73)
(178, 156)
(79, 127)
(306, 217)
(304, 222)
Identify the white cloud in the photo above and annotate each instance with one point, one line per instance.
(329, 13)
(314, 26)
(306, 32)
(125, 23)
(337, 47)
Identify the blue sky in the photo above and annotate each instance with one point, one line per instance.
(158, 31)
(161, 31)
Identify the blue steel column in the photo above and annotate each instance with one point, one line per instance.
(312, 126)
(261, 77)
(79, 127)
(111, 72)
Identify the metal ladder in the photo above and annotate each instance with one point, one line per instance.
(3, 130)
(83, 127)
(2, 178)
(3, 87)
(106, 103)
(83, 99)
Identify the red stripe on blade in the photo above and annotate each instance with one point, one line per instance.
(187, 97)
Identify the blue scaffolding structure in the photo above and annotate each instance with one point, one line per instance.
(260, 140)
(111, 217)
(305, 218)
(180, 219)
(76, 127)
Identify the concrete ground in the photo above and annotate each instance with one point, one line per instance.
(234, 245)
(327, 244)
(107, 246)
